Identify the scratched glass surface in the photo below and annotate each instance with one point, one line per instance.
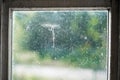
(60, 45)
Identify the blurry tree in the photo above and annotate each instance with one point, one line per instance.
(80, 40)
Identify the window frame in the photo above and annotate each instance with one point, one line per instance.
(113, 6)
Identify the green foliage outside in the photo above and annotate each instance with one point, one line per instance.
(80, 41)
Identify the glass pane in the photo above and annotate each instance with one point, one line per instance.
(60, 45)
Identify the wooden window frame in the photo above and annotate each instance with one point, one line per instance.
(4, 29)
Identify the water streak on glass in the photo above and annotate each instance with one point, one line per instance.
(59, 45)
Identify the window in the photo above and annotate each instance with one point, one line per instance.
(69, 42)
(52, 39)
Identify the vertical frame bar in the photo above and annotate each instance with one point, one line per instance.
(4, 40)
(0, 40)
(114, 40)
(10, 31)
(109, 43)
(119, 46)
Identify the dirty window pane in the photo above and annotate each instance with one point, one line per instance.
(59, 45)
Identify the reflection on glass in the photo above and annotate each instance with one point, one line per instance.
(59, 45)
